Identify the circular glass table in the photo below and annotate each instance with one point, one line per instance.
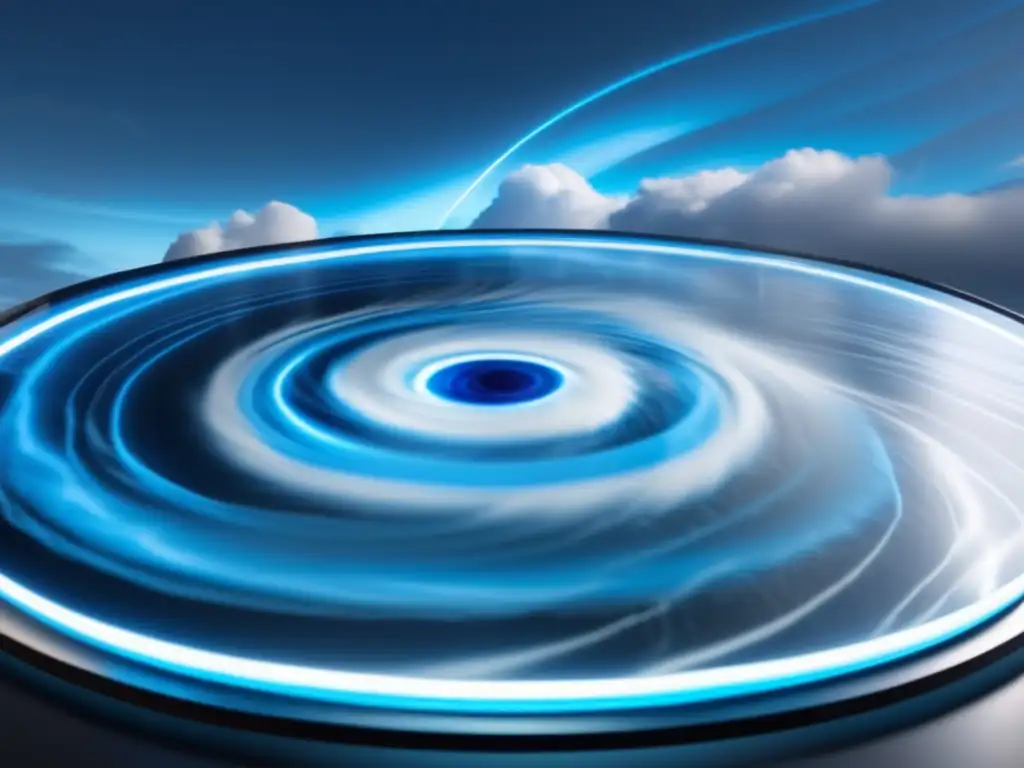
(510, 483)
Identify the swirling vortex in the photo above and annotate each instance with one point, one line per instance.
(511, 472)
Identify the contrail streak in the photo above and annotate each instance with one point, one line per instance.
(690, 55)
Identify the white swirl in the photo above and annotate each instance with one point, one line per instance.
(388, 384)
(378, 384)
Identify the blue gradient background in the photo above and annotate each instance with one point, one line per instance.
(124, 124)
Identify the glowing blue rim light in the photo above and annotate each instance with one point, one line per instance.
(503, 696)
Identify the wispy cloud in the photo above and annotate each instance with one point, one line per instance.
(24, 198)
(31, 268)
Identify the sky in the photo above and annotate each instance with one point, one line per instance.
(130, 132)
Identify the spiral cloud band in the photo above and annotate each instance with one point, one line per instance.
(487, 472)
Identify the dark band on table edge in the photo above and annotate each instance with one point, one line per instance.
(404, 738)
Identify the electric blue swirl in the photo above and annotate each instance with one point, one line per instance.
(483, 472)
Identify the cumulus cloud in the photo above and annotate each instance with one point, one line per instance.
(273, 224)
(814, 201)
(548, 196)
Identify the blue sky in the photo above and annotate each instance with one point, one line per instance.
(123, 124)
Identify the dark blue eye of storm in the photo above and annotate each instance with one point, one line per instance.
(494, 382)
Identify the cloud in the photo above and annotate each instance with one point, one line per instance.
(813, 201)
(273, 224)
(545, 196)
(1017, 162)
(1004, 185)
(30, 269)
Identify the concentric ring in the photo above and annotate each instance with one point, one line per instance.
(509, 473)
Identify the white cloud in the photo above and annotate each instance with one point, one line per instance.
(552, 196)
(1017, 162)
(273, 224)
(809, 200)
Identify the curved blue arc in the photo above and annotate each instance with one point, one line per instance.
(502, 697)
(654, 69)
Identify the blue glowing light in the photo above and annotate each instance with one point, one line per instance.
(666, 409)
(690, 55)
